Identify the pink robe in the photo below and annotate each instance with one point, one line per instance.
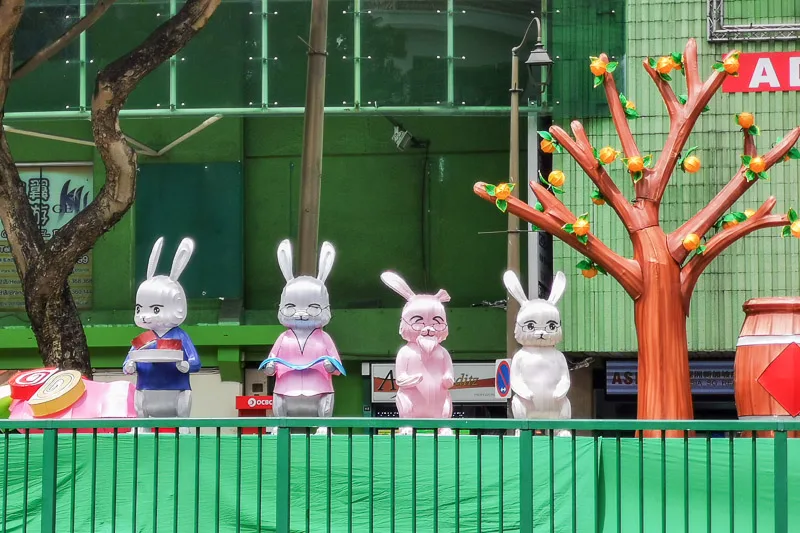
(309, 382)
(430, 398)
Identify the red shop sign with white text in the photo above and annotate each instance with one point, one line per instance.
(776, 71)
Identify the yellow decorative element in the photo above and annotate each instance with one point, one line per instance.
(731, 64)
(749, 212)
(580, 227)
(746, 120)
(548, 147)
(59, 392)
(598, 67)
(796, 229)
(636, 163)
(608, 155)
(758, 165)
(691, 242)
(502, 191)
(664, 65)
(556, 178)
(691, 164)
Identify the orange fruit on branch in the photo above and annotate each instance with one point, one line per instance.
(691, 242)
(599, 201)
(608, 155)
(730, 224)
(580, 227)
(630, 105)
(548, 147)
(796, 229)
(598, 67)
(664, 65)
(636, 163)
(691, 164)
(589, 273)
(556, 178)
(502, 191)
(746, 120)
(758, 165)
(731, 64)
(749, 212)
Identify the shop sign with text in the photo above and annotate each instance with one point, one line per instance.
(708, 377)
(775, 71)
(474, 383)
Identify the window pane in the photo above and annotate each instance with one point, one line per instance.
(404, 46)
(221, 66)
(120, 30)
(55, 84)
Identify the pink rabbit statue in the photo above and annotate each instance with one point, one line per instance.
(423, 369)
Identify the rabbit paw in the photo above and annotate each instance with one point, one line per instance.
(183, 366)
(271, 368)
(328, 366)
(405, 431)
(563, 433)
(448, 381)
(445, 432)
(129, 368)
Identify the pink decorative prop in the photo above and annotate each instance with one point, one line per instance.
(315, 380)
(423, 369)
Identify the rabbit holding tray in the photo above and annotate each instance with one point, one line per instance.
(304, 358)
(163, 389)
(539, 373)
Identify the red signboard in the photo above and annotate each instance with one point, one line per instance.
(263, 403)
(776, 71)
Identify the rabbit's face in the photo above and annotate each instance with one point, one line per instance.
(160, 304)
(538, 324)
(304, 304)
(424, 322)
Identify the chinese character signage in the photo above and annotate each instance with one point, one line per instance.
(708, 377)
(56, 193)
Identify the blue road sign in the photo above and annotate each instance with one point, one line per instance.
(502, 379)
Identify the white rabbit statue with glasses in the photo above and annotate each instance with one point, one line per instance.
(423, 368)
(163, 388)
(304, 358)
(539, 373)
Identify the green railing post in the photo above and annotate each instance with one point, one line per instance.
(49, 480)
(284, 486)
(781, 483)
(525, 479)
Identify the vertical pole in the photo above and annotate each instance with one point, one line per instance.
(781, 483)
(311, 163)
(264, 55)
(49, 480)
(83, 104)
(513, 222)
(356, 53)
(533, 173)
(173, 66)
(451, 84)
(284, 484)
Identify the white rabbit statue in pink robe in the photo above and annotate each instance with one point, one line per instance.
(423, 369)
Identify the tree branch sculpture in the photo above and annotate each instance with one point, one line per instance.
(664, 270)
(43, 266)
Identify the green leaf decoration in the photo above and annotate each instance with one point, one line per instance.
(648, 161)
(728, 218)
(632, 113)
(511, 186)
(736, 118)
(544, 181)
(763, 176)
(701, 249)
(739, 216)
(598, 80)
(719, 67)
(665, 77)
(750, 175)
(637, 176)
(583, 239)
(490, 190)
(584, 216)
(754, 130)
(683, 98)
(502, 205)
(559, 150)
(594, 151)
(611, 67)
(787, 231)
(600, 269)
(746, 160)
(689, 151)
(557, 190)
(652, 62)
(706, 108)
(677, 57)
(792, 215)
(593, 58)
(584, 265)
(623, 100)
(597, 195)
(545, 135)
(539, 207)
(794, 153)
(568, 228)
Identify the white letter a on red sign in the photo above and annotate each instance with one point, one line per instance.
(764, 73)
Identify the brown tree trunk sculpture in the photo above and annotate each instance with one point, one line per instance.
(658, 278)
(43, 266)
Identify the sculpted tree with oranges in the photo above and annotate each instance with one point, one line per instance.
(661, 275)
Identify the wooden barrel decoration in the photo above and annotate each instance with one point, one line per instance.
(767, 365)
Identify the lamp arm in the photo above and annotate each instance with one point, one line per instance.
(525, 37)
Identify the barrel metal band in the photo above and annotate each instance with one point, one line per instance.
(759, 340)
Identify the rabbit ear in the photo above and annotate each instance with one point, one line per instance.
(152, 263)
(326, 256)
(285, 259)
(182, 256)
(397, 284)
(558, 288)
(442, 296)
(511, 281)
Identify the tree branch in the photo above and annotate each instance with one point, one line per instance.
(59, 44)
(581, 151)
(629, 147)
(667, 94)
(721, 241)
(702, 222)
(626, 271)
(113, 86)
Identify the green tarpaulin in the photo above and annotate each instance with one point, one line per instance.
(232, 497)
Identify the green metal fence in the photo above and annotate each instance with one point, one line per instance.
(362, 476)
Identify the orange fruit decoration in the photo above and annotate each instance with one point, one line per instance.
(691, 242)
(691, 164)
(548, 147)
(746, 120)
(730, 224)
(731, 64)
(608, 155)
(502, 191)
(630, 105)
(556, 178)
(589, 273)
(598, 201)
(749, 212)
(757, 165)
(636, 163)
(598, 67)
(675, 64)
(796, 228)
(665, 65)
(580, 227)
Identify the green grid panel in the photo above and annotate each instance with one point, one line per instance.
(746, 12)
